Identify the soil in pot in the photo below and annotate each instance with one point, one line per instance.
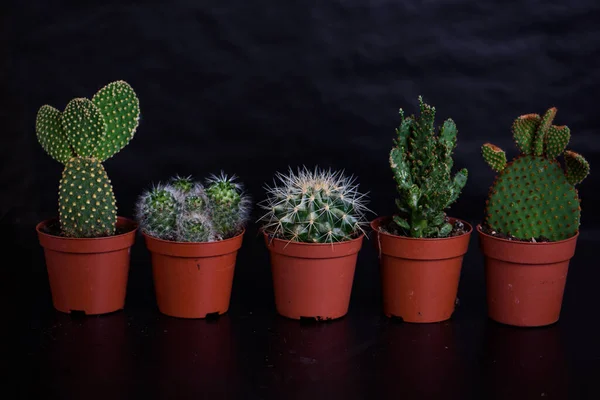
(193, 280)
(525, 281)
(87, 275)
(313, 280)
(420, 277)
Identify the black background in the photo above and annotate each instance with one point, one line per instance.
(255, 87)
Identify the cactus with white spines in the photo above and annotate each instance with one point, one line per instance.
(319, 206)
(81, 137)
(188, 212)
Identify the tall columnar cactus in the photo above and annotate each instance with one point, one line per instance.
(533, 196)
(421, 161)
(314, 207)
(229, 207)
(84, 135)
(184, 211)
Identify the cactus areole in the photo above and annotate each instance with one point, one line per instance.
(534, 198)
(84, 135)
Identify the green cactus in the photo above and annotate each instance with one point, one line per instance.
(533, 197)
(421, 161)
(229, 205)
(183, 211)
(314, 207)
(86, 133)
(157, 212)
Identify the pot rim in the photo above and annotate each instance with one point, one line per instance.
(175, 242)
(288, 242)
(520, 243)
(45, 222)
(378, 219)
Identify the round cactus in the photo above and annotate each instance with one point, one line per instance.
(314, 207)
(533, 197)
(86, 200)
(194, 227)
(228, 204)
(157, 212)
(183, 211)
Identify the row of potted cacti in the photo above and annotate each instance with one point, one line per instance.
(314, 223)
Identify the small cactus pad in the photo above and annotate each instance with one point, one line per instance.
(494, 156)
(557, 139)
(577, 167)
(86, 200)
(83, 126)
(50, 134)
(120, 111)
(524, 129)
(542, 131)
(531, 198)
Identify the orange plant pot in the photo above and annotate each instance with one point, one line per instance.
(420, 276)
(192, 280)
(88, 274)
(525, 281)
(313, 280)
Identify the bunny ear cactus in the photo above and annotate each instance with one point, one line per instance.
(314, 207)
(184, 211)
(533, 197)
(421, 161)
(84, 135)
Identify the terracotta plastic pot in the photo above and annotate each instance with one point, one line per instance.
(420, 276)
(192, 280)
(313, 280)
(525, 281)
(88, 274)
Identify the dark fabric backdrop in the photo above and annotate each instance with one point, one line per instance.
(253, 87)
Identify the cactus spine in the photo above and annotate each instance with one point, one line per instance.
(185, 211)
(84, 135)
(421, 161)
(533, 196)
(314, 207)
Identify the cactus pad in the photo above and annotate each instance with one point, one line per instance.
(120, 109)
(50, 134)
(524, 129)
(494, 156)
(86, 200)
(532, 198)
(557, 139)
(577, 167)
(83, 126)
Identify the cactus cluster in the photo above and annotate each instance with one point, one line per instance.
(314, 207)
(533, 197)
(184, 210)
(421, 161)
(84, 135)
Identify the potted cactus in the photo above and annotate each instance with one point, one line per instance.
(421, 249)
(87, 248)
(531, 222)
(313, 229)
(193, 232)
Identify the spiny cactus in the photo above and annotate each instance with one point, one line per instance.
(314, 206)
(229, 209)
(183, 210)
(84, 135)
(421, 161)
(533, 197)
